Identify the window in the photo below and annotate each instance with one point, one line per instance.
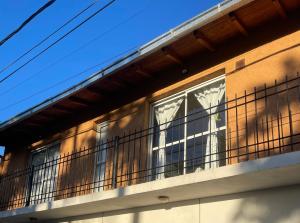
(189, 130)
(45, 170)
(101, 156)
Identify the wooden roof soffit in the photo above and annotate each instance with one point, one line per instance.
(140, 70)
(203, 40)
(33, 124)
(116, 83)
(80, 101)
(61, 108)
(172, 55)
(279, 8)
(238, 24)
(97, 91)
(44, 116)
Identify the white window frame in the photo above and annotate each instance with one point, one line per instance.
(184, 94)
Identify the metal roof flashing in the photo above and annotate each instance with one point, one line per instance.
(189, 26)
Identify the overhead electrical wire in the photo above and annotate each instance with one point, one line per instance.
(82, 72)
(49, 36)
(36, 13)
(74, 51)
(69, 78)
(58, 40)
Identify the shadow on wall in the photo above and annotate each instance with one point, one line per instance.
(262, 126)
(282, 206)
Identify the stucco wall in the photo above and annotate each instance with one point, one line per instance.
(279, 205)
(264, 64)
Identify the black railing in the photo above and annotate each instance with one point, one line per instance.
(259, 124)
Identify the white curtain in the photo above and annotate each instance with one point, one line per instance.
(164, 115)
(210, 97)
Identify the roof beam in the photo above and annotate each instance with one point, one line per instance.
(61, 108)
(116, 83)
(80, 101)
(203, 40)
(172, 55)
(279, 8)
(138, 69)
(43, 116)
(34, 124)
(97, 91)
(235, 20)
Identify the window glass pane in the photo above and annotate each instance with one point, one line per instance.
(222, 147)
(174, 160)
(196, 151)
(174, 129)
(38, 158)
(197, 119)
(155, 137)
(220, 120)
(52, 152)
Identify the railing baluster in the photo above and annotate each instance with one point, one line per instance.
(227, 147)
(278, 118)
(209, 119)
(172, 147)
(256, 125)
(267, 118)
(237, 129)
(289, 114)
(246, 125)
(133, 156)
(115, 162)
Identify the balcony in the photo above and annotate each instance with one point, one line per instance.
(245, 131)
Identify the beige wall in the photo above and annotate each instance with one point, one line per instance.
(279, 205)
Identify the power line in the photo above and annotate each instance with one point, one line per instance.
(67, 79)
(74, 51)
(58, 40)
(49, 3)
(47, 37)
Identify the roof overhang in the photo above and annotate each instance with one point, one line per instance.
(170, 53)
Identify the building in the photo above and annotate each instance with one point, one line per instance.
(199, 125)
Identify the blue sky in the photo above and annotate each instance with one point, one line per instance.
(121, 27)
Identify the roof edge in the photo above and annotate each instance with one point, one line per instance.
(190, 25)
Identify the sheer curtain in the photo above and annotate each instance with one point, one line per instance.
(209, 97)
(164, 115)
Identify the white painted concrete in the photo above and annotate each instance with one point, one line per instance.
(281, 170)
(277, 205)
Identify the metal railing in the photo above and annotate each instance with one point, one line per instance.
(259, 124)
